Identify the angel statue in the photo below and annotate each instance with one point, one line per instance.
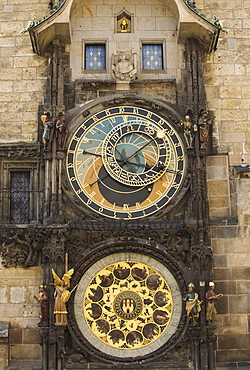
(62, 295)
(124, 65)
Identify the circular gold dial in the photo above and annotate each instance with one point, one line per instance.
(125, 162)
(128, 305)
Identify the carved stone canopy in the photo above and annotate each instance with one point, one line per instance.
(190, 24)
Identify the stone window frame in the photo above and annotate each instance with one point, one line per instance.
(164, 55)
(15, 166)
(94, 42)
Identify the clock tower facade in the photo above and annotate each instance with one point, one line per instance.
(119, 187)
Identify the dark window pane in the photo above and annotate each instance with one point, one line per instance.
(152, 57)
(20, 197)
(95, 56)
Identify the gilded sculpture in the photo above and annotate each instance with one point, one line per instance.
(193, 304)
(62, 294)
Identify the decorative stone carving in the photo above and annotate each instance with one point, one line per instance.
(124, 66)
(20, 248)
(19, 152)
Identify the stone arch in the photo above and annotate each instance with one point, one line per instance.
(190, 24)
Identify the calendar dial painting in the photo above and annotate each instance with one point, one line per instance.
(128, 305)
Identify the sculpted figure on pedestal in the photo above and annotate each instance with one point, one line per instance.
(193, 304)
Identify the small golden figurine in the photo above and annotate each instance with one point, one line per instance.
(62, 294)
(124, 25)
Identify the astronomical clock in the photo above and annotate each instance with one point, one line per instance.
(126, 164)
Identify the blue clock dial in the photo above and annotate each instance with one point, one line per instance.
(125, 162)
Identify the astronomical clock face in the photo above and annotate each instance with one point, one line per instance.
(127, 305)
(125, 162)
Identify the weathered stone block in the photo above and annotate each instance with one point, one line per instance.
(232, 355)
(220, 213)
(8, 8)
(31, 336)
(240, 273)
(3, 351)
(3, 364)
(235, 159)
(217, 187)
(217, 160)
(225, 232)
(227, 92)
(245, 92)
(217, 172)
(158, 10)
(10, 310)
(239, 260)
(3, 295)
(25, 85)
(226, 287)
(220, 261)
(236, 136)
(220, 202)
(223, 246)
(7, 86)
(11, 28)
(232, 324)
(239, 304)
(236, 341)
(243, 287)
(16, 336)
(148, 22)
(221, 274)
(170, 24)
(25, 352)
(229, 104)
(17, 295)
